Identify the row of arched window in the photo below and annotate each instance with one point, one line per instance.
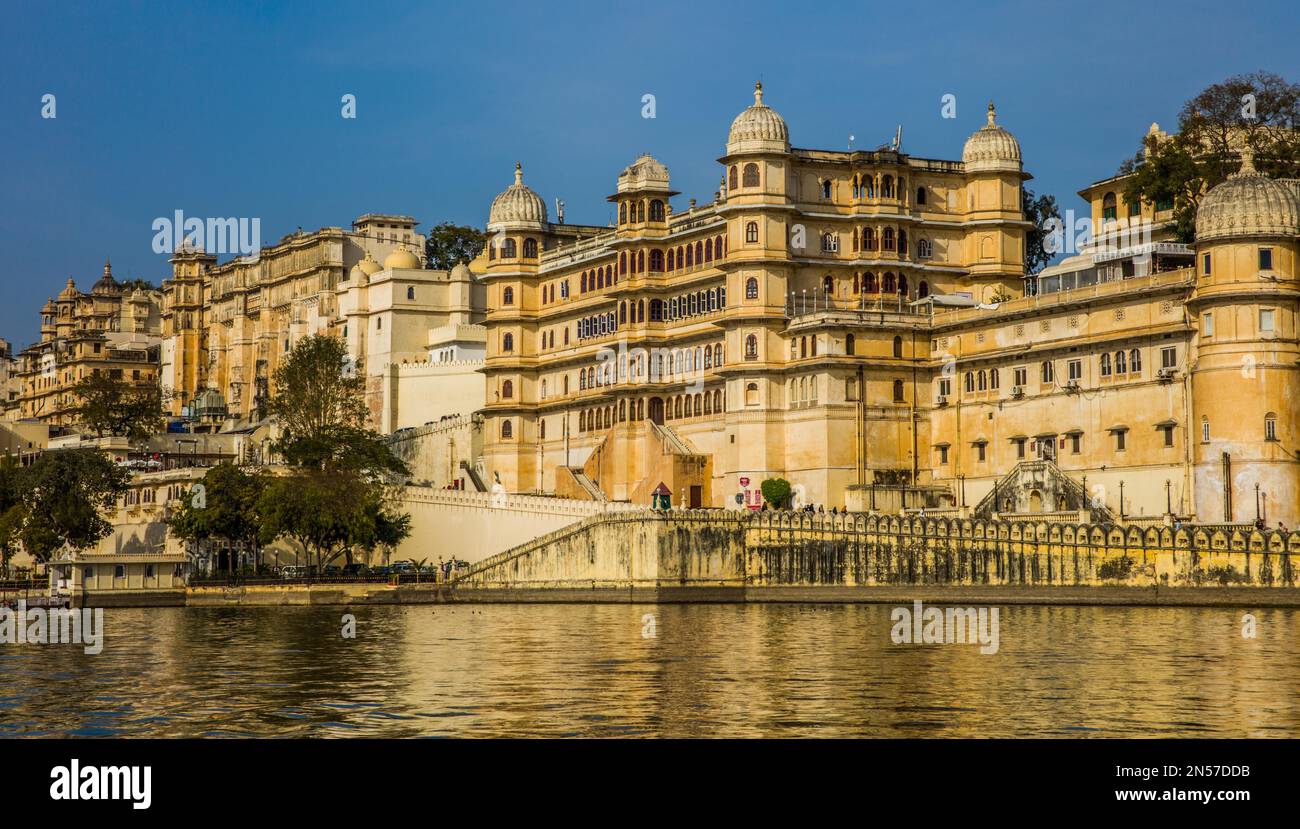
(748, 178)
(870, 283)
(1130, 363)
(507, 249)
(597, 325)
(635, 211)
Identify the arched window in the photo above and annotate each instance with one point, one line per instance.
(717, 355)
(751, 347)
(982, 380)
(869, 283)
(850, 344)
(507, 430)
(507, 342)
(1105, 365)
(898, 346)
(869, 238)
(656, 261)
(1109, 206)
(1135, 361)
(690, 256)
(530, 248)
(970, 382)
(656, 310)
(751, 175)
(708, 250)
(923, 290)
(508, 296)
(828, 286)
(507, 389)
(622, 262)
(508, 249)
(830, 243)
(622, 313)
(889, 285)
(622, 213)
(887, 188)
(656, 211)
(826, 189)
(920, 195)
(751, 288)
(902, 284)
(1121, 363)
(733, 179)
(410, 292)
(888, 243)
(1270, 426)
(898, 391)
(902, 242)
(751, 233)
(699, 253)
(994, 379)
(640, 261)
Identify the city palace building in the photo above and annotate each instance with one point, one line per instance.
(860, 323)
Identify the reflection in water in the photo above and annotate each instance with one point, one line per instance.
(712, 670)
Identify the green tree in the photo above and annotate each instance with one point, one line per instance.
(450, 244)
(119, 407)
(330, 513)
(225, 508)
(317, 390)
(12, 512)
(1039, 211)
(1259, 110)
(64, 494)
(776, 491)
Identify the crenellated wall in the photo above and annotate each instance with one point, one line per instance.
(839, 557)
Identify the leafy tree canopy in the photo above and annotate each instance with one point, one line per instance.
(1260, 111)
(119, 407)
(776, 491)
(64, 494)
(1040, 211)
(450, 244)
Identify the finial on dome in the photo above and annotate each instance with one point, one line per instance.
(1247, 162)
(758, 93)
(519, 173)
(992, 114)
(108, 267)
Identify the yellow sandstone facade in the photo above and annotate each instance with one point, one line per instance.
(860, 324)
(113, 329)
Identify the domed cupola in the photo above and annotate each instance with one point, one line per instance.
(69, 291)
(401, 259)
(644, 174)
(991, 148)
(1248, 203)
(758, 129)
(517, 207)
(106, 285)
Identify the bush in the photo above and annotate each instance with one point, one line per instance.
(776, 491)
(1116, 568)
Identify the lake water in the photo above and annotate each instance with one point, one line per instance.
(708, 670)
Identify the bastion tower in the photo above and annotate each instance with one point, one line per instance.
(1245, 378)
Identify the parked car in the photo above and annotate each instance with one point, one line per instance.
(293, 571)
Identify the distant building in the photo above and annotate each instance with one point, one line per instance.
(114, 329)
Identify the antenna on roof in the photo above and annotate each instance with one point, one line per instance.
(898, 139)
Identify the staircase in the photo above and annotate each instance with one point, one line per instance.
(1047, 478)
(474, 477)
(588, 485)
(673, 440)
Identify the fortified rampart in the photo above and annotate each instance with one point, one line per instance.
(796, 556)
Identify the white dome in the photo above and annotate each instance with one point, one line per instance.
(1249, 203)
(646, 173)
(991, 148)
(517, 205)
(758, 129)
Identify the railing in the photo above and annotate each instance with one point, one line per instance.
(1183, 276)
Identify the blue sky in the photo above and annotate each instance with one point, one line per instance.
(233, 109)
